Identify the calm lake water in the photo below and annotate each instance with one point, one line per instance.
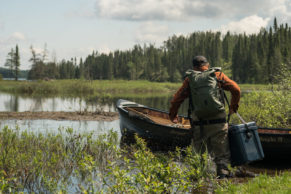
(18, 103)
(53, 126)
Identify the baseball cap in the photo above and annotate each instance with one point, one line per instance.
(199, 61)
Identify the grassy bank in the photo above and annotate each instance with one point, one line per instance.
(70, 162)
(85, 87)
(98, 87)
(280, 183)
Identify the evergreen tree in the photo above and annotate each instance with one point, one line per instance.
(10, 61)
(16, 62)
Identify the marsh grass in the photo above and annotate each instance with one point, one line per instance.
(106, 88)
(85, 87)
(280, 183)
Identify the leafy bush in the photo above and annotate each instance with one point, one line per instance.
(268, 109)
(145, 172)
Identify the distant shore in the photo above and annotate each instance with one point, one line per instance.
(74, 116)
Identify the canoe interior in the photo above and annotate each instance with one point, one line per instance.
(273, 131)
(158, 117)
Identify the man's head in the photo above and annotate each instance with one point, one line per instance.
(199, 61)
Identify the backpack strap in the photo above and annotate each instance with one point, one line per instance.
(228, 116)
(224, 96)
(190, 107)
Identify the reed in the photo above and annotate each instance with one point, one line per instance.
(85, 87)
(99, 87)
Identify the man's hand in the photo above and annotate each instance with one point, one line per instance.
(173, 118)
(231, 111)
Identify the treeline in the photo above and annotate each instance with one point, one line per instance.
(7, 73)
(256, 58)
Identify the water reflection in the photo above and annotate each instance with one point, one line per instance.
(18, 103)
(12, 103)
(52, 126)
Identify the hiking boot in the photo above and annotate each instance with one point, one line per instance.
(244, 173)
(222, 176)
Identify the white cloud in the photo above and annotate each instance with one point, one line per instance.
(17, 36)
(145, 10)
(150, 32)
(249, 25)
(14, 38)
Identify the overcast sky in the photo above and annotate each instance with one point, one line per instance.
(74, 28)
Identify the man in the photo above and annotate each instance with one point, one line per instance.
(210, 130)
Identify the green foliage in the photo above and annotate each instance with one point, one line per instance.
(283, 78)
(85, 163)
(55, 162)
(145, 172)
(84, 87)
(47, 164)
(280, 183)
(269, 109)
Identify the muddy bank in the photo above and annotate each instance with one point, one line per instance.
(74, 116)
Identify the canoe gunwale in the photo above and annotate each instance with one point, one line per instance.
(122, 108)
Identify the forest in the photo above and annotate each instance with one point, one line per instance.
(255, 58)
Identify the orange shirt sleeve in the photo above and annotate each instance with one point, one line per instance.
(179, 98)
(231, 86)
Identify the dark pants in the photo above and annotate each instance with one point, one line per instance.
(214, 139)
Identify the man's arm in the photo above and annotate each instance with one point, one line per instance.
(178, 99)
(234, 89)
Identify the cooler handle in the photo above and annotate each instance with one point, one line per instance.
(240, 118)
(248, 133)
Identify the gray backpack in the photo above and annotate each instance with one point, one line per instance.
(206, 96)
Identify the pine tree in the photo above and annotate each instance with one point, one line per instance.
(10, 61)
(16, 62)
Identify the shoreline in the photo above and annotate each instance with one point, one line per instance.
(74, 116)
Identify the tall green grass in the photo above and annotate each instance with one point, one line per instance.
(99, 87)
(263, 184)
(85, 87)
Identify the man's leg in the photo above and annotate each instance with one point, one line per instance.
(220, 148)
(198, 141)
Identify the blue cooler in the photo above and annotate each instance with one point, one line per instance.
(245, 144)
